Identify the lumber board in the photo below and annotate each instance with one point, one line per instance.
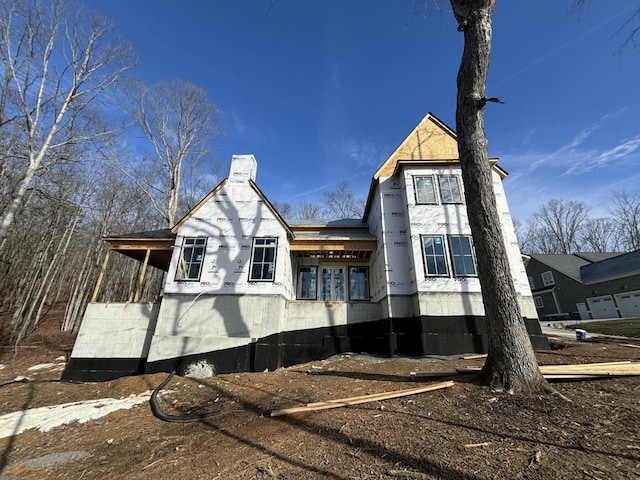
(369, 397)
(434, 373)
(584, 366)
(361, 399)
(587, 370)
(632, 345)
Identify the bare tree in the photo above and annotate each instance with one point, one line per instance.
(55, 62)
(557, 225)
(626, 213)
(341, 203)
(627, 31)
(308, 211)
(180, 122)
(511, 364)
(284, 209)
(598, 235)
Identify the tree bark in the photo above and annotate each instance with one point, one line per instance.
(511, 364)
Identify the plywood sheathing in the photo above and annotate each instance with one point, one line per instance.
(430, 140)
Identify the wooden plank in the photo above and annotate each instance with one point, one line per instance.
(583, 366)
(630, 345)
(473, 357)
(434, 373)
(361, 399)
(606, 369)
(369, 397)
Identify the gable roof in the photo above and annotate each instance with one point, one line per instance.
(213, 192)
(431, 139)
(568, 265)
(431, 142)
(593, 267)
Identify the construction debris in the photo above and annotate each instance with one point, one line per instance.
(342, 402)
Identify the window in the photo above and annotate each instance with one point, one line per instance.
(307, 283)
(450, 189)
(547, 278)
(434, 257)
(358, 283)
(538, 302)
(462, 256)
(425, 189)
(263, 260)
(531, 284)
(332, 286)
(191, 258)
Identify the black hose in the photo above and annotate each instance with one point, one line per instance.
(155, 408)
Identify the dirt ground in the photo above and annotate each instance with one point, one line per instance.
(462, 432)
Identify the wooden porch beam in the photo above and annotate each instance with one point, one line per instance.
(100, 276)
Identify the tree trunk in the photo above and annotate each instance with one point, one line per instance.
(511, 364)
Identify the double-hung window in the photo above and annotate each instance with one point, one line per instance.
(450, 191)
(263, 259)
(435, 260)
(425, 189)
(191, 258)
(462, 256)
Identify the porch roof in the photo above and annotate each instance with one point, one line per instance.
(159, 243)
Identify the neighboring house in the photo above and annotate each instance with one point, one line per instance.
(247, 291)
(585, 285)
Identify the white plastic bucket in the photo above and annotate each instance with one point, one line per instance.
(581, 335)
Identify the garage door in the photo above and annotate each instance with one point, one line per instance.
(629, 304)
(602, 307)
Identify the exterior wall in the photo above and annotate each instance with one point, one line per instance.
(117, 330)
(189, 325)
(230, 220)
(113, 341)
(452, 219)
(399, 267)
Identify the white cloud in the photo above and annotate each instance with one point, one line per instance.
(572, 172)
(595, 160)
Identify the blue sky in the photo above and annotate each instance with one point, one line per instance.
(324, 91)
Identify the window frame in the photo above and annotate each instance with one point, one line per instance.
(183, 269)
(263, 248)
(337, 280)
(443, 255)
(416, 180)
(365, 296)
(454, 255)
(313, 290)
(458, 183)
(547, 278)
(538, 302)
